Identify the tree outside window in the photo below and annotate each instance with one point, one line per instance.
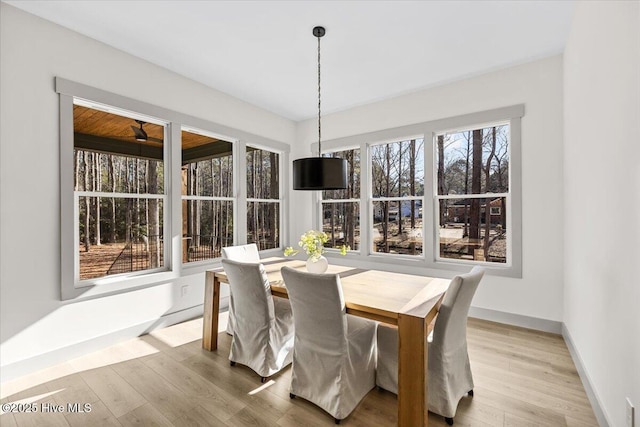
(207, 196)
(263, 198)
(397, 188)
(340, 209)
(473, 193)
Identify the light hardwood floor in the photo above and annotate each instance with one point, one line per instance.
(522, 378)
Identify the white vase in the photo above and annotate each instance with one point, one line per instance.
(319, 266)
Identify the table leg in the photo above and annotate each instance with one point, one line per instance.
(412, 369)
(211, 312)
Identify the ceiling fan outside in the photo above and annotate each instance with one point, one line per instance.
(141, 135)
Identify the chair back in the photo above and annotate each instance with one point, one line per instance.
(319, 312)
(251, 294)
(243, 253)
(450, 331)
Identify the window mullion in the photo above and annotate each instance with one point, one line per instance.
(240, 191)
(173, 191)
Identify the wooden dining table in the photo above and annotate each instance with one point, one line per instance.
(408, 301)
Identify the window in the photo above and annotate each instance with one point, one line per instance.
(207, 195)
(263, 198)
(137, 208)
(340, 209)
(119, 197)
(473, 193)
(397, 188)
(430, 203)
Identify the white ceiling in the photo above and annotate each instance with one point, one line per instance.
(264, 53)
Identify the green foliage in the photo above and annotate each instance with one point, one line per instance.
(312, 242)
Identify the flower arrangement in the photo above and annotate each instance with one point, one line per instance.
(313, 244)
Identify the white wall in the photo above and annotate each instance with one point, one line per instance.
(537, 85)
(602, 199)
(33, 319)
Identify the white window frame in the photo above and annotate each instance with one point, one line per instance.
(282, 234)
(486, 196)
(111, 195)
(428, 130)
(399, 199)
(234, 191)
(70, 288)
(511, 116)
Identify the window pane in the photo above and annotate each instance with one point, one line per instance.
(397, 169)
(474, 161)
(207, 228)
(341, 221)
(471, 232)
(397, 227)
(119, 235)
(263, 224)
(353, 182)
(207, 166)
(262, 174)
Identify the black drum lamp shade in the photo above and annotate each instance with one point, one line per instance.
(319, 173)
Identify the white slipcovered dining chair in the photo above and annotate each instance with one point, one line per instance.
(242, 253)
(334, 353)
(263, 327)
(449, 371)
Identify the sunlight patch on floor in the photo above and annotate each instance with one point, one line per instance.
(131, 349)
(262, 387)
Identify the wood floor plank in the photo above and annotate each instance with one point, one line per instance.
(7, 420)
(572, 422)
(99, 416)
(145, 415)
(242, 384)
(201, 391)
(531, 384)
(200, 417)
(549, 399)
(41, 418)
(13, 387)
(249, 417)
(377, 408)
(479, 412)
(511, 420)
(72, 389)
(311, 418)
(116, 393)
(530, 411)
(166, 398)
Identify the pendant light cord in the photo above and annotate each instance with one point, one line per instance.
(319, 122)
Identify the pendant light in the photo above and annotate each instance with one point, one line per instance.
(319, 173)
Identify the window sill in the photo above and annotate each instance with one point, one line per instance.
(107, 286)
(419, 265)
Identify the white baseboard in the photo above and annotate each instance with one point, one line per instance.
(52, 358)
(601, 416)
(516, 320)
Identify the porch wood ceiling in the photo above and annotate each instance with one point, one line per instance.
(106, 132)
